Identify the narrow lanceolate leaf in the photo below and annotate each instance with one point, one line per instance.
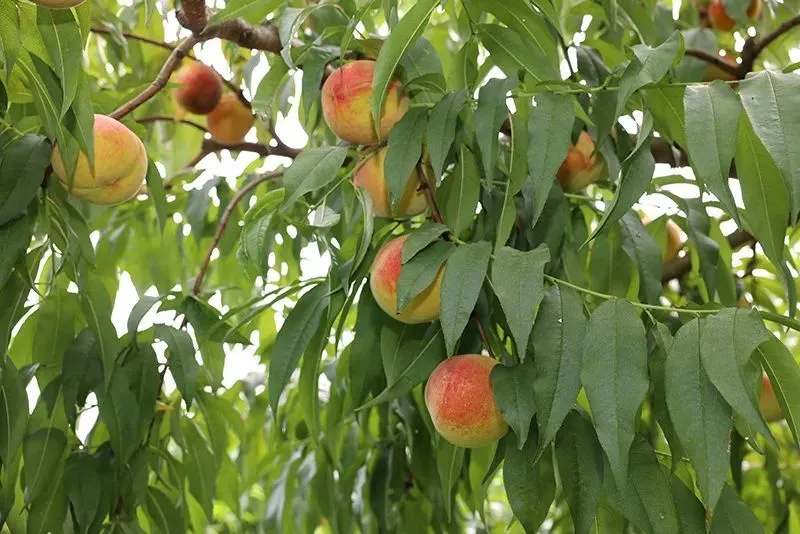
(62, 37)
(10, 35)
(404, 151)
(520, 16)
(421, 238)
(765, 196)
(514, 398)
(365, 370)
(14, 240)
(449, 460)
(140, 309)
(530, 484)
(293, 338)
(96, 306)
(580, 467)
(557, 353)
(120, 413)
(42, 452)
(712, 123)
(551, 124)
(400, 39)
(734, 515)
(182, 362)
(517, 279)
(252, 11)
(772, 102)
(313, 169)
(459, 193)
(784, 375)
(640, 247)
(463, 279)
(666, 104)
(13, 414)
(155, 186)
(488, 117)
(512, 53)
(442, 128)
(614, 376)
(691, 512)
(700, 415)
(21, 172)
(726, 347)
(418, 274)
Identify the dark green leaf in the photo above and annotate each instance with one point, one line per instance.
(81, 372)
(530, 484)
(87, 480)
(313, 169)
(666, 105)
(140, 309)
(449, 460)
(488, 117)
(421, 238)
(690, 510)
(784, 375)
(182, 362)
(201, 467)
(42, 452)
(365, 369)
(404, 151)
(461, 286)
(514, 398)
(119, 410)
(419, 273)
(512, 54)
(733, 515)
(47, 513)
(521, 17)
(643, 250)
(97, 308)
(459, 193)
(62, 37)
(442, 128)
(155, 186)
(14, 239)
(13, 414)
(163, 512)
(21, 174)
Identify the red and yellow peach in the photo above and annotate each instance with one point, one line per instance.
(370, 176)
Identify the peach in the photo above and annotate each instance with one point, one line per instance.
(346, 103)
(461, 402)
(120, 165)
(768, 402)
(715, 73)
(720, 20)
(370, 175)
(230, 121)
(201, 88)
(674, 242)
(423, 308)
(58, 4)
(582, 166)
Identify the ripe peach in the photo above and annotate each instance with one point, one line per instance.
(346, 103)
(423, 308)
(580, 168)
(58, 4)
(461, 402)
(230, 121)
(715, 73)
(720, 20)
(370, 175)
(120, 165)
(768, 402)
(202, 88)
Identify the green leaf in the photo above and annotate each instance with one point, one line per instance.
(293, 339)
(182, 362)
(42, 452)
(763, 191)
(666, 105)
(87, 479)
(47, 513)
(13, 414)
(530, 485)
(701, 417)
(97, 308)
(81, 372)
(488, 117)
(268, 87)
(557, 354)
(733, 515)
(14, 240)
(551, 121)
(614, 376)
(643, 250)
(784, 375)
(449, 460)
(421, 238)
(208, 324)
(726, 347)
(511, 53)
(520, 16)
(54, 332)
(163, 513)
(712, 124)
(365, 370)
(10, 35)
(313, 169)
(400, 39)
(514, 398)
(22, 170)
(140, 309)
(441, 130)
(201, 467)
(255, 240)
(690, 510)
(62, 37)
(461, 286)
(458, 196)
(519, 294)
(580, 468)
(419, 273)
(155, 186)
(772, 102)
(252, 11)
(404, 151)
(119, 410)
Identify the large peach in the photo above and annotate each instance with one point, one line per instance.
(58, 4)
(230, 121)
(720, 19)
(423, 308)
(461, 402)
(582, 166)
(370, 175)
(120, 165)
(346, 103)
(768, 402)
(201, 88)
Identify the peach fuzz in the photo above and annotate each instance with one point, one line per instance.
(461, 402)
(58, 4)
(720, 20)
(229, 122)
(201, 88)
(582, 166)
(120, 165)
(423, 308)
(370, 175)
(768, 402)
(346, 104)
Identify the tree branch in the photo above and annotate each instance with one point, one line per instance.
(680, 266)
(223, 224)
(264, 37)
(717, 61)
(167, 118)
(753, 48)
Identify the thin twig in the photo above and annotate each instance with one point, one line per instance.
(768, 39)
(223, 224)
(428, 191)
(167, 118)
(482, 333)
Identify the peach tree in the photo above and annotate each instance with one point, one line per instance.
(399, 266)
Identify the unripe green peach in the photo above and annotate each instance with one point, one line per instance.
(229, 122)
(768, 402)
(201, 88)
(461, 402)
(423, 308)
(58, 4)
(120, 165)
(346, 103)
(582, 166)
(370, 176)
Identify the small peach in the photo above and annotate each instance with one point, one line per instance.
(201, 88)
(370, 175)
(582, 166)
(229, 122)
(768, 402)
(460, 399)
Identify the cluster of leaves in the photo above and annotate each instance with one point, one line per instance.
(633, 403)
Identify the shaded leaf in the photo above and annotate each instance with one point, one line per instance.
(514, 398)
(442, 128)
(461, 286)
